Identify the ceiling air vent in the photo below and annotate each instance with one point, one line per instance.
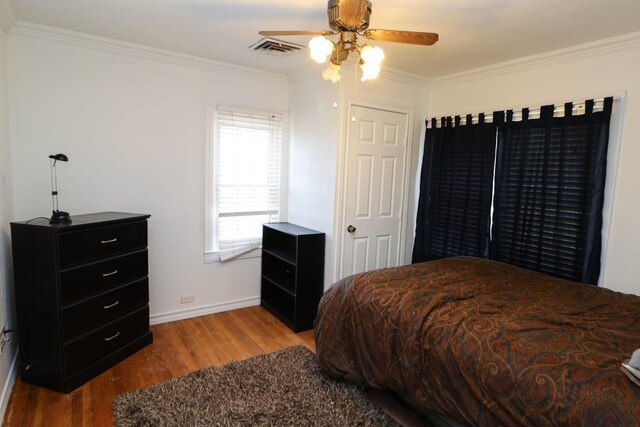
(275, 47)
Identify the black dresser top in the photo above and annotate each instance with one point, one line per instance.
(87, 220)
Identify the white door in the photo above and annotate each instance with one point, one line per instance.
(376, 161)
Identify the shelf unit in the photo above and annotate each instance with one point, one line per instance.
(292, 273)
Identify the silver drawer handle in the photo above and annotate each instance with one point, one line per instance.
(111, 305)
(110, 274)
(104, 242)
(110, 338)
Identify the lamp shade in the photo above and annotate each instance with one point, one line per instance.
(371, 60)
(320, 49)
(332, 72)
(61, 157)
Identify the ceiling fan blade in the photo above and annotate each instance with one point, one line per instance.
(296, 33)
(394, 36)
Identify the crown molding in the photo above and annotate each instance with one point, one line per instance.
(44, 32)
(405, 77)
(7, 16)
(598, 48)
(47, 33)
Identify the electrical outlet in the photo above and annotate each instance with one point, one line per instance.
(186, 299)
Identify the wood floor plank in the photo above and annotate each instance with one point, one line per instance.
(178, 348)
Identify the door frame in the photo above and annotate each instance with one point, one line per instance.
(339, 213)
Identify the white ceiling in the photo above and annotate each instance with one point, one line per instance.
(473, 33)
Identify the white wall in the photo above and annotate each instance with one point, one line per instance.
(318, 143)
(595, 70)
(133, 129)
(7, 311)
(312, 159)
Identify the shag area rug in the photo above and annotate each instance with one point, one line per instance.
(285, 388)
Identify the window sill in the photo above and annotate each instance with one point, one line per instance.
(211, 257)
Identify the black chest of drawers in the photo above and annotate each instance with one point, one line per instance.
(82, 295)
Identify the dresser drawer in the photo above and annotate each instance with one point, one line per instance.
(101, 276)
(85, 245)
(84, 351)
(97, 311)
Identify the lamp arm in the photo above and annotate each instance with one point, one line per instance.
(54, 186)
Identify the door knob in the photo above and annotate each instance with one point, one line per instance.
(351, 229)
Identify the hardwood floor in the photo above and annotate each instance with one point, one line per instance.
(178, 348)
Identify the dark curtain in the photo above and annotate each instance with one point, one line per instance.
(549, 192)
(456, 184)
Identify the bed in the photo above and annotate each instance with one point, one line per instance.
(480, 342)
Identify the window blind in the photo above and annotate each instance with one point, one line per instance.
(248, 163)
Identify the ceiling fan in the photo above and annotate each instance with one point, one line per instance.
(350, 19)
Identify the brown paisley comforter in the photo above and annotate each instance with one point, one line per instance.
(485, 343)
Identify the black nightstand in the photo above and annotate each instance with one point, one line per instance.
(292, 273)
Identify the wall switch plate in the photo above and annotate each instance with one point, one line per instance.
(186, 299)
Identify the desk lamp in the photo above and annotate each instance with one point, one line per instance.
(58, 217)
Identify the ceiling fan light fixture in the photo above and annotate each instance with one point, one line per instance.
(372, 55)
(332, 72)
(369, 72)
(370, 62)
(320, 49)
(349, 19)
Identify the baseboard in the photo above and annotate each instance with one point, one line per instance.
(172, 316)
(8, 387)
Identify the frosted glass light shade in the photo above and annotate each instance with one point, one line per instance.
(371, 60)
(332, 72)
(320, 49)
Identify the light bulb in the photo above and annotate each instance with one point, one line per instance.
(371, 58)
(372, 54)
(332, 72)
(320, 49)
(369, 72)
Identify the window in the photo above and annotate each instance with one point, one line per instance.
(546, 208)
(244, 179)
(550, 179)
(457, 186)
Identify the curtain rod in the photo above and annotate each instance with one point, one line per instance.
(534, 113)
